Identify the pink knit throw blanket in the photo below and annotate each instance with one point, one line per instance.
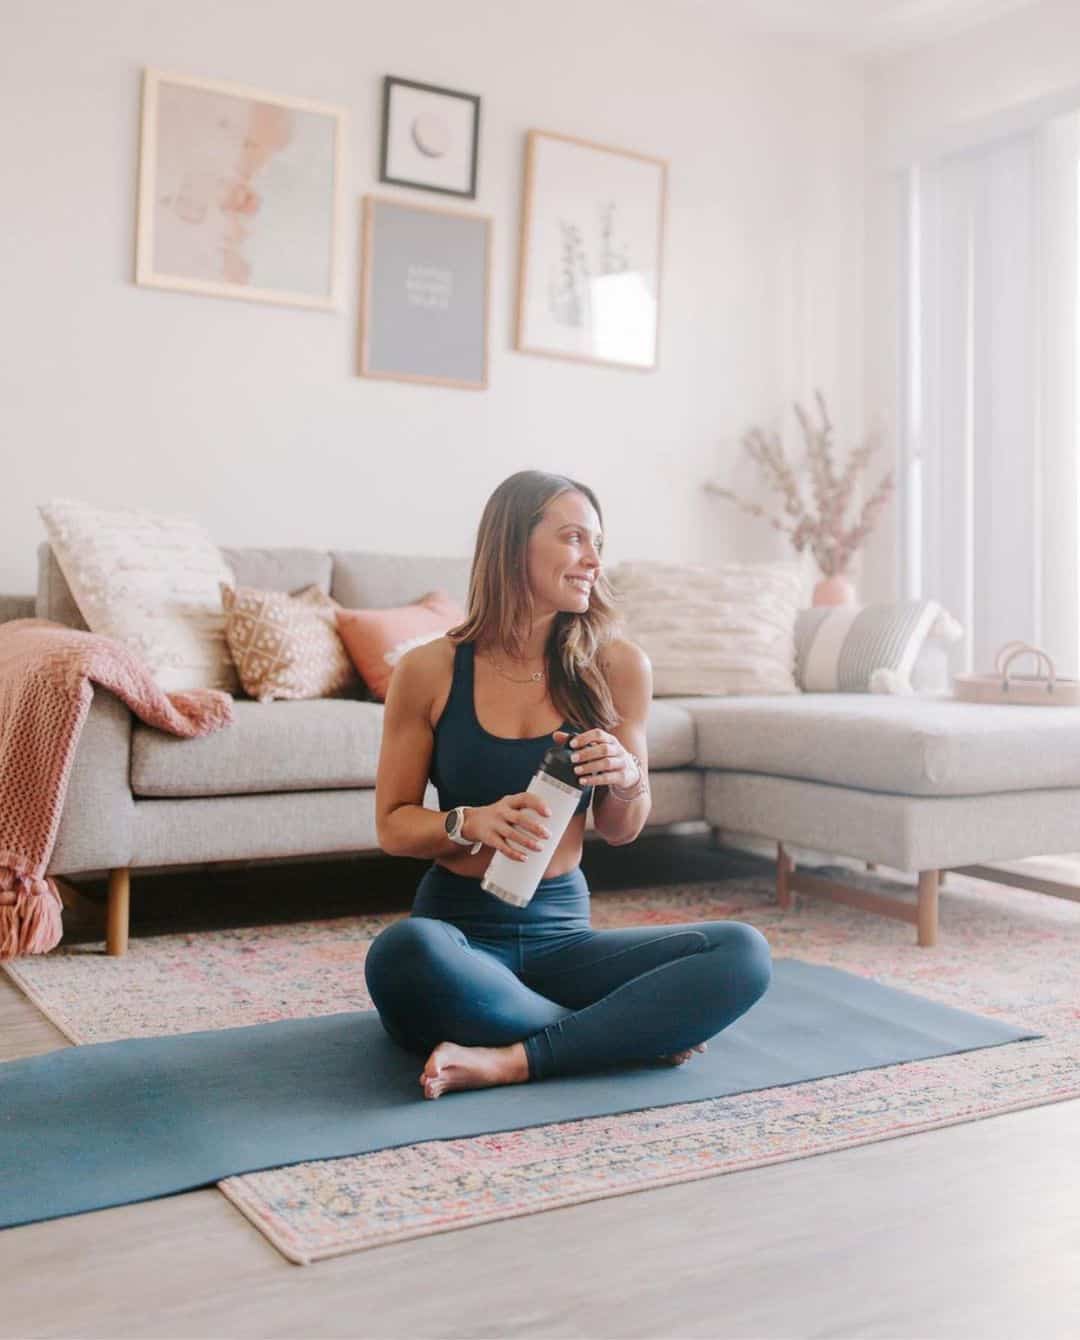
(46, 677)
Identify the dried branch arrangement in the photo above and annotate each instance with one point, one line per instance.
(821, 526)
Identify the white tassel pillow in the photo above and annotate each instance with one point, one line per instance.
(150, 581)
(716, 631)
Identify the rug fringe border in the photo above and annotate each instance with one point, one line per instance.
(32, 995)
(235, 1194)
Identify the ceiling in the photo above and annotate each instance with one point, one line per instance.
(870, 27)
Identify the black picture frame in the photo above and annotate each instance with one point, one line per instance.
(392, 172)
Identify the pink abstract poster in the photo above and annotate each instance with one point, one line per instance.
(239, 193)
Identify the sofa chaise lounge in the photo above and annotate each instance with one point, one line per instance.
(916, 784)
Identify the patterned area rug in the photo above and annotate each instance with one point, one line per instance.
(1004, 953)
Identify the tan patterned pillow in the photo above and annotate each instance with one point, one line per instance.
(286, 646)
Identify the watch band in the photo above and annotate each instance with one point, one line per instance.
(455, 822)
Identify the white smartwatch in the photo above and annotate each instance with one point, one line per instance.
(455, 822)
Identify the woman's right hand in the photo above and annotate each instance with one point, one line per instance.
(509, 825)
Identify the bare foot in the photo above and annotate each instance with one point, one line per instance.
(680, 1058)
(452, 1067)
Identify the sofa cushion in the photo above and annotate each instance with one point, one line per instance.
(54, 599)
(280, 569)
(378, 581)
(16, 607)
(669, 736)
(931, 746)
(321, 744)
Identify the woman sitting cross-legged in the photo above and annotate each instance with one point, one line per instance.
(491, 993)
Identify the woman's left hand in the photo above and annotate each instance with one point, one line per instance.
(600, 759)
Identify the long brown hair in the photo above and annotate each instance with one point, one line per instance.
(501, 604)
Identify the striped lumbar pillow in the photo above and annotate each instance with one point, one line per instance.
(844, 649)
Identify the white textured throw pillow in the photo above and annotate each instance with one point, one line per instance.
(153, 583)
(845, 649)
(713, 631)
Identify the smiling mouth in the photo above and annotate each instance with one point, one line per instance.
(582, 583)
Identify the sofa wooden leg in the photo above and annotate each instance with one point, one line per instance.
(118, 912)
(785, 867)
(871, 866)
(928, 908)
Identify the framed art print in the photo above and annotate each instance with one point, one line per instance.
(424, 300)
(430, 137)
(240, 193)
(592, 232)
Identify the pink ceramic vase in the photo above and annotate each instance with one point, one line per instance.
(835, 590)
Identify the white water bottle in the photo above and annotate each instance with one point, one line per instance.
(557, 785)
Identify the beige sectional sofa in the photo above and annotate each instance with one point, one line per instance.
(918, 784)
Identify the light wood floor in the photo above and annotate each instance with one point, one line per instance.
(970, 1232)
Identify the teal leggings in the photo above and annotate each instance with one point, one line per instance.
(467, 968)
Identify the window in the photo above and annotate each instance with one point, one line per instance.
(989, 480)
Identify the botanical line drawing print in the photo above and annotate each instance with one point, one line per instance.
(570, 288)
(568, 293)
(589, 267)
(614, 260)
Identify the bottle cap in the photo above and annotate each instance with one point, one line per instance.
(557, 763)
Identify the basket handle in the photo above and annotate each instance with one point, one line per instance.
(1015, 650)
(999, 668)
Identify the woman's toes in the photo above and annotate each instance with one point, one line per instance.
(680, 1058)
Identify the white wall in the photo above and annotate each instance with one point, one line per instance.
(251, 417)
(979, 84)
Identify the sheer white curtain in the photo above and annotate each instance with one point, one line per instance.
(991, 488)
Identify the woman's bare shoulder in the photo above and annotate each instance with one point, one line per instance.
(622, 659)
(628, 672)
(430, 660)
(424, 673)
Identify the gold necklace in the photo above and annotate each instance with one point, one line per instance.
(536, 677)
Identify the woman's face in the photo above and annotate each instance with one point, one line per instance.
(564, 555)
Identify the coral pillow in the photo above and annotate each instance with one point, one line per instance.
(378, 639)
(286, 646)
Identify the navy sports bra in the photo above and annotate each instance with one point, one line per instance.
(471, 767)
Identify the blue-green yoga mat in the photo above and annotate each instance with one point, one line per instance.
(88, 1127)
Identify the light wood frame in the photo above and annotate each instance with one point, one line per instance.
(146, 275)
(371, 202)
(527, 204)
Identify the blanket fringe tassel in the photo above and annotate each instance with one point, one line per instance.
(33, 923)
